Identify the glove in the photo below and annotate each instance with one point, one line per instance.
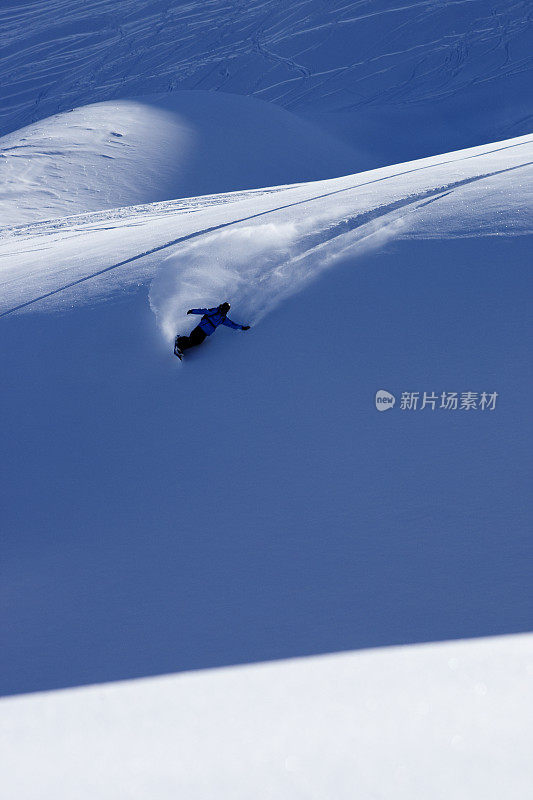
(189, 311)
(246, 327)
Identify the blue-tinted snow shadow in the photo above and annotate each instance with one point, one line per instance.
(252, 504)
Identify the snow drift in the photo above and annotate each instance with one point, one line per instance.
(430, 721)
(154, 148)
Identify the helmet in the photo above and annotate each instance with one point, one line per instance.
(224, 307)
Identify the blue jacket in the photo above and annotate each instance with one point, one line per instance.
(212, 318)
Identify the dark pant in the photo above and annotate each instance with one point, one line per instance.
(195, 337)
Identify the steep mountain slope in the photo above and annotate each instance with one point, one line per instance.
(393, 76)
(252, 503)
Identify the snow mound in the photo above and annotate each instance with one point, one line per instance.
(158, 148)
(388, 721)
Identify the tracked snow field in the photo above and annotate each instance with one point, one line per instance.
(231, 577)
(347, 57)
(262, 246)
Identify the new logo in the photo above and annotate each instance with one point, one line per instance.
(384, 400)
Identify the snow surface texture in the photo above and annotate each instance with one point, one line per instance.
(260, 247)
(435, 721)
(161, 147)
(251, 504)
(401, 79)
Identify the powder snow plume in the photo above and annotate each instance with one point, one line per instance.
(255, 267)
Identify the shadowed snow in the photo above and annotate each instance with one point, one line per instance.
(155, 148)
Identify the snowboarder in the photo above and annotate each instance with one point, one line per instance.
(211, 319)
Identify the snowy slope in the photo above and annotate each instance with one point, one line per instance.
(251, 503)
(158, 148)
(401, 80)
(435, 721)
(261, 246)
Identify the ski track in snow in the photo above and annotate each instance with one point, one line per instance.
(455, 708)
(340, 55)
(261, 246)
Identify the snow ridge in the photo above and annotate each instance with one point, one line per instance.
(309, 226)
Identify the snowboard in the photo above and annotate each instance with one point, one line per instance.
(177, 351)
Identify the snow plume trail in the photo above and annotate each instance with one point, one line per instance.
(220, 266)
(347, 207)
(257, 266)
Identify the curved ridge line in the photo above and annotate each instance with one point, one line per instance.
(195, 234)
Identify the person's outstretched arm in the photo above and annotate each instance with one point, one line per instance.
(197, 311)
(235, 325)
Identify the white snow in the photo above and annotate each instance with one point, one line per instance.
(251, 505)
(262, 246)
(402, 79)
(155, 148)
(451, 720)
